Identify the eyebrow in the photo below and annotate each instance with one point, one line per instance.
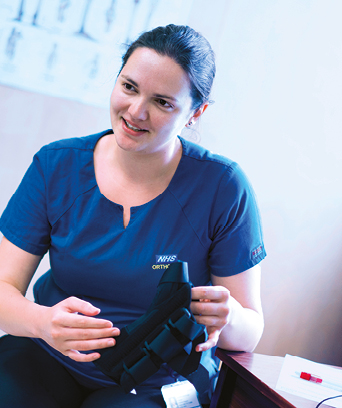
(155, 95)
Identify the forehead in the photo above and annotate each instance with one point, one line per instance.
(158, 73)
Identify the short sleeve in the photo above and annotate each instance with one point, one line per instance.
(237, 242)
(24, 222)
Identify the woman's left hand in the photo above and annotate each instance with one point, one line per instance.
(211, 307)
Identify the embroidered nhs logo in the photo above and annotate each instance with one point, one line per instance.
(166, 258)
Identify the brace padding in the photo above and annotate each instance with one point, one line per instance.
(166, 333)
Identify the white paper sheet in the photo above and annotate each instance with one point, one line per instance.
(289, 380)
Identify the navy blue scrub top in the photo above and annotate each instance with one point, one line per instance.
(207, 217)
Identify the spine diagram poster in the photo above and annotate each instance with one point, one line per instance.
(72, 48)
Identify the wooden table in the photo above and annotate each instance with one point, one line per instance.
(248, 380)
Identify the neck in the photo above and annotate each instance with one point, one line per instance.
(147, 168)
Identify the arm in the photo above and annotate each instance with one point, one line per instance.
(68, 326)
(231, 310)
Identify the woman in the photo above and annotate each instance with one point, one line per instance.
(113, 210)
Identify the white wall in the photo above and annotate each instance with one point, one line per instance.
(278, 96)
(277, 112)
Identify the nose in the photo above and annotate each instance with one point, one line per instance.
(138, 109)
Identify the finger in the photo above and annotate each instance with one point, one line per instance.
(83, 358)
(213, 293)
(210, 343)
(210, 321)
(220, 309)
(76, 320)
(74, 304)
(89, 345)
(206, 346)
(204, 308)
(71, 333)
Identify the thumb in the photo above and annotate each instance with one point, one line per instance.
(76, 305)
(213, 336)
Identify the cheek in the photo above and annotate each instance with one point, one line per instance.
(170, 125)
(117, 101)
(115, 109)
(166, 120)
(114, 103)
(178, 123)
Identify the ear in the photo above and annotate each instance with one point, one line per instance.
(196, 115)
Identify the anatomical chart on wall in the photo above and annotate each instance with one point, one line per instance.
(73, 48)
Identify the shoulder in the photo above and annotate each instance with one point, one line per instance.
(206, 165)
(213, 180)
(77, 143)
(67, 169)
(203, 155)
(61, 155)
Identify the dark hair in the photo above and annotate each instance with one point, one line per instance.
(186, 47)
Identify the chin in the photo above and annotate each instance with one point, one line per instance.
(128, 144)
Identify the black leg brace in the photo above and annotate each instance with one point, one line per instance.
(166, 333)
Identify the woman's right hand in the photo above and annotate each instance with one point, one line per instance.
(70, 327)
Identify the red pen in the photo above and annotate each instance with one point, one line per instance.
(310, 377)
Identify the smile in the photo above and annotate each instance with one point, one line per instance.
(133, 128)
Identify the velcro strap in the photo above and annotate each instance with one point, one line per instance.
(166, 333)
(141, 370)
(166, 345)
(188, 327)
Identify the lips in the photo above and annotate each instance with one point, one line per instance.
(133, 128)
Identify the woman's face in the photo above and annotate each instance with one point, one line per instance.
(150, 102)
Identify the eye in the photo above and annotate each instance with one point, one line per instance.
(128, 86)
(164, 104)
